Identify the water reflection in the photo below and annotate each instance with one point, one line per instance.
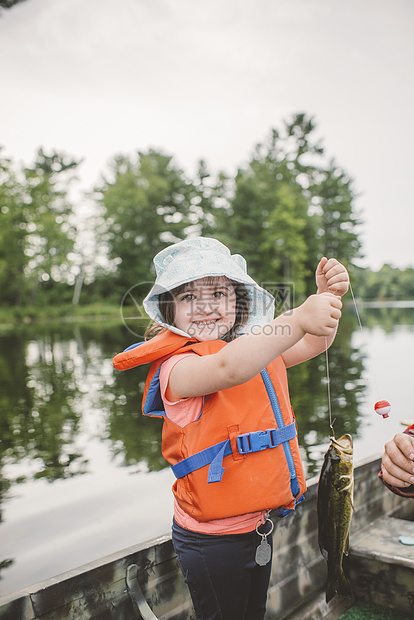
(59, 395)
(387, 316)
(51, 376)
(309, 394)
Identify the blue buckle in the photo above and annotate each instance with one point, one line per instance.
(256, 441)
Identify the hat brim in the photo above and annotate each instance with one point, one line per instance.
(194, 259)
(261, 302)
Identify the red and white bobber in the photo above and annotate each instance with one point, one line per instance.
(383, 407)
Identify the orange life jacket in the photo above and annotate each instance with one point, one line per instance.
(249, 428)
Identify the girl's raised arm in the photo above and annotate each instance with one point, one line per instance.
(246, 356)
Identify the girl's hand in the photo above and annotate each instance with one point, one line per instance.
(331, 276)
(398, 461)
(319, 314)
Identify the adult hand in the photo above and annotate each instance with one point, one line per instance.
(398, 460)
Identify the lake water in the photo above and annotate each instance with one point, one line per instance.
(81, 472)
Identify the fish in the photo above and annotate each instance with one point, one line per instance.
(335, 504)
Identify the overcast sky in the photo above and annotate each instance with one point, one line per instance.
(210, 79)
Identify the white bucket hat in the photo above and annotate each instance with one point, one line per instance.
(201, 257)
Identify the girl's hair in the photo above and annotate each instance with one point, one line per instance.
(167, 306)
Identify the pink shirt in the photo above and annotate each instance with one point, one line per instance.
(183, 412)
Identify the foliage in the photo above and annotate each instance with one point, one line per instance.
(8, 4)
(290, 208)
(209, 202)
(388, 283)
(37, 235)
(267, 219)
(49, 238)
(337, 223)
(12, 235)
(144, 208)
(286, 207)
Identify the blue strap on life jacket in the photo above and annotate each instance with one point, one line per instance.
(212, 456)
(216, 469)
(154, 404)
(294, 483)
(283, 512)
(270, 438)
(246, 443)
(132, 346)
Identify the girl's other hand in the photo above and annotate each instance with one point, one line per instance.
(331, 277)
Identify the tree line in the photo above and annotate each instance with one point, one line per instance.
(287, 206)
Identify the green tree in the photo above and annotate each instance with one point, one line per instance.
(290, 207)
(145, 207)
(406, 284)
(268, 218)
(386, 283)
(49, 229)
(337, 221)
(209, 202)
(36, 233)
(12, 235)
(328, 190)
(8, 4)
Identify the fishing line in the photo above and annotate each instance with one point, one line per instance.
(363, 338)
(328, 382)
(382, 407)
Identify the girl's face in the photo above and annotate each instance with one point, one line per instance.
(206, 311)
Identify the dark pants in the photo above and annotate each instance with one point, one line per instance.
(224, 580)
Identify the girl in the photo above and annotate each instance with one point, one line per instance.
(218, 379)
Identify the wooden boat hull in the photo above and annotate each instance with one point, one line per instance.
(100, 591)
